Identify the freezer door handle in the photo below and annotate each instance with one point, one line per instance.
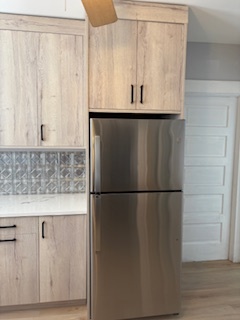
(97, 224)
(97, 168)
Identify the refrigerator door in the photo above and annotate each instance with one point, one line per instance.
(135, 255)
(136, 155)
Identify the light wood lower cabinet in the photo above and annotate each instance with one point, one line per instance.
(62, 258)
(46, 262)
(19, 261)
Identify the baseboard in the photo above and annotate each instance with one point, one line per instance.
(44, 305)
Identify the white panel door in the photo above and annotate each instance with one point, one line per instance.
(208, 172)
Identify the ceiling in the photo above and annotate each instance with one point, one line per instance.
(212, 21)
(216, 21)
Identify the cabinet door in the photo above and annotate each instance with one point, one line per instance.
(63, 258)
(112, 66)
(161, 66)
(60, 75)
(19, 262)
(18, 88)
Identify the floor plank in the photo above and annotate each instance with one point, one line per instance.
(65, 313)
(210, 290)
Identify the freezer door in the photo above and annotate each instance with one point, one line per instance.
(135, 255)
(136, 154)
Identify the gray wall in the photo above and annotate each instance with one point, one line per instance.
(211, 61)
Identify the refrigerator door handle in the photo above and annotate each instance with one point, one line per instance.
(97, 165)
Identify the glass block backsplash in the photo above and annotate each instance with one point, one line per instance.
(33, 172)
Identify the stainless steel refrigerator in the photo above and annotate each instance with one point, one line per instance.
(136, 170)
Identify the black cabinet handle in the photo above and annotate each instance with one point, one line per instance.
(5, 227)
(43, 235)
(42, 136)
(132, 94)
(141, 94)
(8, 240)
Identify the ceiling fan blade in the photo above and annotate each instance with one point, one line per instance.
(100, 12)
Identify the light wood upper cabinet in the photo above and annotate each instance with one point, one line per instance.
(138, 63)
(63, 258)
(112, 68)
(19, 261)
(18, 88)
(60, 85)
(42, 82)
(160, 63)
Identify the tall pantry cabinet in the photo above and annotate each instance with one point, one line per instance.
(138, 63)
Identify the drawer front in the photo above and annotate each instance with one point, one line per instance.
(15, 226)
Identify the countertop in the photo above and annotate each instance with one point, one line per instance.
(41, 205)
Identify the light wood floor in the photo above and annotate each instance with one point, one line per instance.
(210, 291)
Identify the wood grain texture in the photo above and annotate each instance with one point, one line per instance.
(63, 258)
(27, 225)
(60, 89)
(19, 264)
(185, 32)
(156, 50)
(151, 111)
(151, 11)
(41, 24)
(62, 313)
(161, 48)
(18, 88)
(42, 74)
(112, 66)
(210, 290)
